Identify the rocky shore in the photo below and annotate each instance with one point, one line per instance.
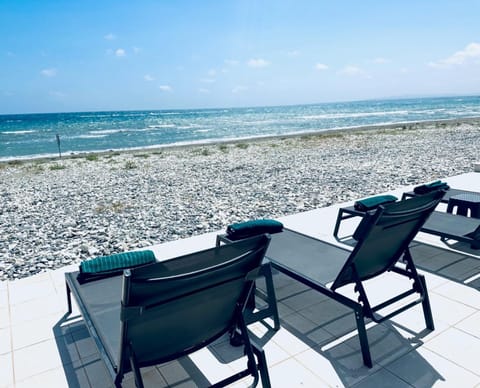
(57, 212)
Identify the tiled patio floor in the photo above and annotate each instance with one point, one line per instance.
(317, 345)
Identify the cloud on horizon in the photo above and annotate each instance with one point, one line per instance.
(381, 60)
(293, 53)
(351, 71)
(52, 72)
(257, 63)
(321, 66)
(470, 53)
(120, 52)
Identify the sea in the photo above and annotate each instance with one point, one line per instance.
(48, 134)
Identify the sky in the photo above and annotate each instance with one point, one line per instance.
(64, 56)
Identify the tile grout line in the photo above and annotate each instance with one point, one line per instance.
(452, 361)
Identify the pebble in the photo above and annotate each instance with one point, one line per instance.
(58, 212)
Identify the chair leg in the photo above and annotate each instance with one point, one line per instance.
(362, 336)
(427, 310)
(262, 365)
(272, 299)
(136, 371)
(69, 298)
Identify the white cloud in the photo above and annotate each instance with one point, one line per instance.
(258, 63)
(321, 66)
(49, 72)
(165, 88)
(120, 52)
(148, 77)
(239, 89)
(204, 91)
(110, 36)
(469, 53)
(212, 73)
(351, 71)
(380, 60)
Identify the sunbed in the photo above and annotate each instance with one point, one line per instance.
(159, 312)
(383, 237)
(446, 225)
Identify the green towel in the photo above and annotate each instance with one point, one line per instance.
(373, 202)
(429, 187)
(246, 229)
(114, 264)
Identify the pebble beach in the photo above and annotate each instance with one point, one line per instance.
(55, 212)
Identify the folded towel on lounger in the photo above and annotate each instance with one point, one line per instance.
(246, 229)
(105, 266)
(429, 187)
(373, 202)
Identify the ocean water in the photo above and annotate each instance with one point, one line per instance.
(34, 135)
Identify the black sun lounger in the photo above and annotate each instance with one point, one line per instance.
(455, 227)
(383, 238)
(159, 312)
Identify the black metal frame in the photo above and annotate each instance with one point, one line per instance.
(269, 296)
(345, 213)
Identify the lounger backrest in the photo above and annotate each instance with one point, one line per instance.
(175, 307)
(384, 235)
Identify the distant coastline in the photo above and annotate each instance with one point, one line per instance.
(319, 133)
(35, 136)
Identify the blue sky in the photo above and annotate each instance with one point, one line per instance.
(58, 56)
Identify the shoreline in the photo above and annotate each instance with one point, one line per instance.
(58, 212)
(321, 132)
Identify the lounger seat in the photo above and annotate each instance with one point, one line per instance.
(455, 227)
(383, 238)
(163, 311)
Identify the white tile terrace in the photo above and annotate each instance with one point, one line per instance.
(39, 346)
